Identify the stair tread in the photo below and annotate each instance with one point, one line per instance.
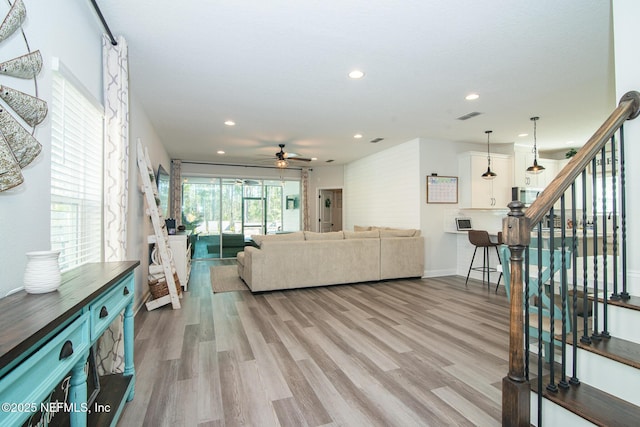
(617, 349)
(633, 303)
(592, 404)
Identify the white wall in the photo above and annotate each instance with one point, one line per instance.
(139, 223)
(25, 210)
(384, 189)
(627, 64)
(441, 251)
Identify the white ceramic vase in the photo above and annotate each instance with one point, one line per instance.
(42, 273)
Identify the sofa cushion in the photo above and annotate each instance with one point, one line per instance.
(397, 232)
(261, 238)
(371, 234)
(332, 235)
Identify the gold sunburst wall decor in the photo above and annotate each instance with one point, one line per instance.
(18, 110)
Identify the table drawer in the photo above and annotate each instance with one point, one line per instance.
(32, 381)
(106, 308)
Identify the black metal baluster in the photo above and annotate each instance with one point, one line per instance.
(574, 273)
(614, 183)
(527, 337)
(563, 294)
(604, 333)
(623, 216)
(585, 288)
(540, 342)
(594, 235)
(551, 356)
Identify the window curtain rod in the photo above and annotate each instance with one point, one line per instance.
(104, 23)
(242, 166)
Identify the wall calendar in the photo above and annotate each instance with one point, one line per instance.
(442, 189)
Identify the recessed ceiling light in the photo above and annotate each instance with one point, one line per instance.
(314, 158)
(522, 135)
(220, 152)
(472, 96)
(357, 136)
(230, 123)
(356, 74)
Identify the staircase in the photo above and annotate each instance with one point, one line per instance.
(595, 373)
(609, 373)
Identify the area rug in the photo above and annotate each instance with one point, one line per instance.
(224, 278)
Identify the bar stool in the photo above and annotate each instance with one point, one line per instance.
(480, 239)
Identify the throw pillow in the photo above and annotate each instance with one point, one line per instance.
(333, 235)
(361, 228)
(261, 238)
(391, 232)
(371, 234)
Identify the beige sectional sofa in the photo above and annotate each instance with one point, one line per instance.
(303, 259)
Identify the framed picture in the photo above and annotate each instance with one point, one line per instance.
(292, 202)
(442, 189)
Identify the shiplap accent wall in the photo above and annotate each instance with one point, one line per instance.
(384, 189)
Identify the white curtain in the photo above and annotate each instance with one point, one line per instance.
(304, 175)
(110, 352)
(176, 190)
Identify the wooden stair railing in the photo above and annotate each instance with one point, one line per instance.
(516, 229)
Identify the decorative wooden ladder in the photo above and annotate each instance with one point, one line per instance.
(160, 237)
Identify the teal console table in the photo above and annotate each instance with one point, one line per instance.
(44, 337)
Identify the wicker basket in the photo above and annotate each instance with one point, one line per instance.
(158, 288)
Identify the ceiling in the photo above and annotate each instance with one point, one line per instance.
(279, 69)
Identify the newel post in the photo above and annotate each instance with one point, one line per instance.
(515, 386)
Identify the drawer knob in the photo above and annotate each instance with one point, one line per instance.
(126, 291)
(67, 350)
(103, 312)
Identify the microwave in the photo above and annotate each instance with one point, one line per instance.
(526, 195)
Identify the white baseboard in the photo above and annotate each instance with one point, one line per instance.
(439, 273)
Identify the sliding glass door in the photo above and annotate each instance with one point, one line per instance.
(223, 213)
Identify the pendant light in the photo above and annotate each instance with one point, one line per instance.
(535, 168)
(488, 174)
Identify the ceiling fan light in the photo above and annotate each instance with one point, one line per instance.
(282, 163)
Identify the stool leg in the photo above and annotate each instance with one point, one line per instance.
(500, 261)
(471, 265)
(487, 267)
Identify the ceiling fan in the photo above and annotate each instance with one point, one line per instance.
(283, 158)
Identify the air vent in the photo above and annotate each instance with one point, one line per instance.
(376, 140)
(469, 116)
(329, 161)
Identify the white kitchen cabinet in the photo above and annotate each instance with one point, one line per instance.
(479, 193)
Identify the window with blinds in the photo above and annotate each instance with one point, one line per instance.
(76, 174)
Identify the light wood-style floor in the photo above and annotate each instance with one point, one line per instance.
(395, 353)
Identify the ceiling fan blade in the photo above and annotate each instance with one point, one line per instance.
(299, 159)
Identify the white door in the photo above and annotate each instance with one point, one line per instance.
(325, 202)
